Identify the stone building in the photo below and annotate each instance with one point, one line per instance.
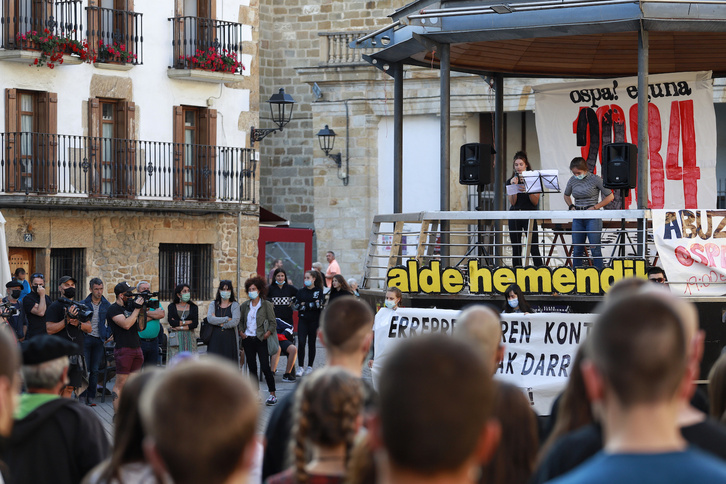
(135, 165)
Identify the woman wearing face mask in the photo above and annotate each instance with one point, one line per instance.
(183, 317)
(224, 316)
(258, 324)
(391, 303)
(281, 295)
(515, 301)
(522, 201)
(309, 303)
(586, 188)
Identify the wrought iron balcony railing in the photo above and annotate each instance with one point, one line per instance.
(197, 39)
(50, 164)
(115, 36)
(62, 18)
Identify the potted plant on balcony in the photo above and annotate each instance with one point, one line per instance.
(214, 60)
(53, 47)
(116, 53)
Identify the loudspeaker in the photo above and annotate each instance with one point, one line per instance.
(475, 164)
(619, 165)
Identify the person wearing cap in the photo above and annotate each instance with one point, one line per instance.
(54, 440)
(123, 319)
(9, 385)
(64, 323)
(18, 322)
(35, 305)
(93, 342)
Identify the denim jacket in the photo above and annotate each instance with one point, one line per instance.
(104, 332)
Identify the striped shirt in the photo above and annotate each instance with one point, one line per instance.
(586, 191)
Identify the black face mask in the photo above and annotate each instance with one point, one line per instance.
(15, 293)
(69, 292)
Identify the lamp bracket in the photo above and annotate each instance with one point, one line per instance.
(257, 134)
(337, 158)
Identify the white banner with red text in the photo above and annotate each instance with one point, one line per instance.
(577, 119)
(539, 348)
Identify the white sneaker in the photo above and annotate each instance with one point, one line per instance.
(308, 370)
(299, 371)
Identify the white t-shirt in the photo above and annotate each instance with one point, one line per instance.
(251, 329)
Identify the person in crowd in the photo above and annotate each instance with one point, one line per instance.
(9, 385)
(54, 440)
(515, 301)
(308, 303)
(257, 324)
(636, 370)
(224, 316)
(317, 266)
(35, 305)
(514, 459)
(333, 268)
(183, 318)
(152, 313)
(586, 189)
(657, 274)
(19, 322)
(20, 276)
(353, 285)
(200, 419)
(522, 201)
(123, 320)
(95, 351)
(717, 390)
(346, 333)
(62, 321)
(277, 264)
(328, 408)
(286, 338)
(126, 464)
(340, 288)
(479, 324)
(391, 302)
(281, 295)
(435, 422)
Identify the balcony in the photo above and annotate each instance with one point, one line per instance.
(206, 50)
(115, 37)
(67, 171)
(61, 19)
(335, 50)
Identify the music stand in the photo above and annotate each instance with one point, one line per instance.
(541, 181)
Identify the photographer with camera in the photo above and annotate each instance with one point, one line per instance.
(94, 341)
(35, 305)
(123, 319)
(13, 309)
(152, 313)
(70, 320)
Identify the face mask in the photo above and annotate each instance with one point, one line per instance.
(69, 292)
(253, 294)
(580, 177)
(513, 303)
(186, 297)
(280, 283)
(15, 293)
(390, 304)
(308, 283)
(225, 294)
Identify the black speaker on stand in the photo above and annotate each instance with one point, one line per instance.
(620, 172)
(475, 164)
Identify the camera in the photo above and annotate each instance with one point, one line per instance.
(146, 296)
(7, 310)
(84, 314)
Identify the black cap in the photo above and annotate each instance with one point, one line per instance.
(65, 279)
(121, 288)
(14, 283)
(46, 347)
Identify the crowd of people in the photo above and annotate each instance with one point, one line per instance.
(630, 411)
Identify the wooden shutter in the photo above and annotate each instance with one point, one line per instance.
(207, 163)
(47, 161)
(126, 150)
(178, 147)
(11, 26)
(93, 153)
(11, 129)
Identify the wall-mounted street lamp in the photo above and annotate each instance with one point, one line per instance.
(326, 137)
(281, 106)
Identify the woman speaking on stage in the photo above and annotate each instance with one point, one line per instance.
(522, 201)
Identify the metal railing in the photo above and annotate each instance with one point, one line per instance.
(334, 48)
(455, 238)
(115, 35)
(193, 35)
(62, 18)
(50, 164)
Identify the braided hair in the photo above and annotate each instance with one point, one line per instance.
(327, 406)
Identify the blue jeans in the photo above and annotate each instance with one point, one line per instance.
(592, 229)
(95, 353)
(151, 352)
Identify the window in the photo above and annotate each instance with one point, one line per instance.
(30, 123)
(111, 130)
(185, 264)
(65, 262)
(195, 137)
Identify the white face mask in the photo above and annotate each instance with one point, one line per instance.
(513, 303)
(390, 304)
(225, 294)
(253, 294)
(581, 176)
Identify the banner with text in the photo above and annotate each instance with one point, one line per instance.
(691, 250)
(577, 119)
(539, 348)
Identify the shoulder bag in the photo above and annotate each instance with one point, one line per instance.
(273, 344)
(205, 331)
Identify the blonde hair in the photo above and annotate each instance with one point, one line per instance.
(326, 409)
